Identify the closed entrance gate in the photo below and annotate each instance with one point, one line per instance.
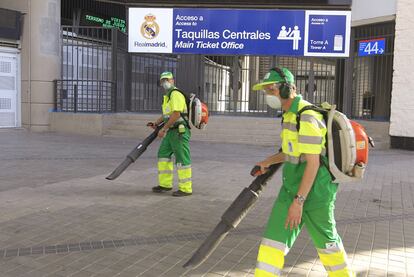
(90, 84)
(8, 90)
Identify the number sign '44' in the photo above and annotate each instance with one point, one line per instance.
(371, 47)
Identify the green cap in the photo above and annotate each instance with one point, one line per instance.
(166, 75)
(273, 77)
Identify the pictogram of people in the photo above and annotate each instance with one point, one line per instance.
(283, 33)
(290, 34)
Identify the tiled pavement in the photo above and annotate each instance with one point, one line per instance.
(60, 217)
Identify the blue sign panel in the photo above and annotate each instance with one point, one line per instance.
(239, 32)
(328, 34)
(371, 47)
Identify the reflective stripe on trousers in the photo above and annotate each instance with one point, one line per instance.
(165, 172)
(335, 262)
(270, 258)
(184, 178)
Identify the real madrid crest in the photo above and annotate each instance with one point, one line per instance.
(150, 28)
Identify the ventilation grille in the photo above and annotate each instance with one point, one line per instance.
(5, 67)
(5, 104)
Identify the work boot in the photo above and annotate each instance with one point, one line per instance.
(180, 193)
(159, 189)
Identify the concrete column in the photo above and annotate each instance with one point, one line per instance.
(40, 62)
(402, 98)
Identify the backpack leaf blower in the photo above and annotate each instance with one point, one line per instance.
(233, 215)
(135, 153)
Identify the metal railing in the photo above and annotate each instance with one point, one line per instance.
(228, 82)
(225, 83)
(146, 94)
(99, 75)
(91, 96)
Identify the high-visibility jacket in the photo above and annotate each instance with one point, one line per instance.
(173, 101)
(175, 143)
(309, 139)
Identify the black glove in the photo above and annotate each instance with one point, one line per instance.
(151, 124)
(256, 171)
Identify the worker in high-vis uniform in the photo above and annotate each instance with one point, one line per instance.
(175, 136)
(307, 196)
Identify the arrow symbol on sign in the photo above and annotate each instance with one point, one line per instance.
(381, 51)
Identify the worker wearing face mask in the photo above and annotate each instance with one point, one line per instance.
(308, 193)
(175, 140)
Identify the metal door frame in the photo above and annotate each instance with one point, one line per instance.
(13, 52)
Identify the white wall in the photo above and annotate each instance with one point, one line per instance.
(402, 96)
(40, 58)
(369, 9)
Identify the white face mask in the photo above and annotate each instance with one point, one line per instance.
(166, 85)
(273, 102)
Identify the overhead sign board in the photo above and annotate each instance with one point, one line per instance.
(328, 33)
(239, 32)
(371, 47)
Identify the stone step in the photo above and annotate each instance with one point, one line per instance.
(238, 129)
(216, 123)
(213, 129)
(221, 138)
(228, 129)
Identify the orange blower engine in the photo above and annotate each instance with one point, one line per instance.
(198, 115)
(361, 144)
(204, 114)
(346, 144)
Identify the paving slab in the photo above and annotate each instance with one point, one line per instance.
(61, 217)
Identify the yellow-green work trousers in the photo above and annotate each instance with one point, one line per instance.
(177, 144)
(277, 241)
